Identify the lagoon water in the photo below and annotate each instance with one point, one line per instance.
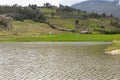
(58, 61)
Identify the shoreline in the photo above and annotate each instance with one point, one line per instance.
(114, 49)
(113, 52)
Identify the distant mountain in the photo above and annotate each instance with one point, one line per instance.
(100, 6)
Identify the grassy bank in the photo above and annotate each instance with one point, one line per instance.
(115, 45)
(62, 37)
(30, 31)
(114, 48)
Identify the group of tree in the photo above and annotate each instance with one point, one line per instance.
(94, 15)
(47, 5)
(65, 8)
(31, 12)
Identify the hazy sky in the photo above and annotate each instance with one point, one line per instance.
(38, 2)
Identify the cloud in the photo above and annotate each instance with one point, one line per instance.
(38, 2)
(26, 2)
(70, 2)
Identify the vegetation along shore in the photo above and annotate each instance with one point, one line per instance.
(114, 48)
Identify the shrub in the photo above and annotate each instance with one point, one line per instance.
(115, 23)
(3, 21)
(110, 32)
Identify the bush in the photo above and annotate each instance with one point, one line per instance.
(3, 21)
(110, 32)
(5, 24)
(115, 23)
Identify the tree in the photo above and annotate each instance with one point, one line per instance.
(104, 15)
(94, 15)
(47, 5)
(61, 6)
(76, 22)
(77, 26)
(52, 14)
(33, 6)
(111, 15)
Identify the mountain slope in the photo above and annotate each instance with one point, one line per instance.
(100, 6)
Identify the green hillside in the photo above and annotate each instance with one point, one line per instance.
(67, 20)
(60, 26)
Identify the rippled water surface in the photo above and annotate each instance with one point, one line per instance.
(57, 61)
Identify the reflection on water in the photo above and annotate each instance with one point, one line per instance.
(57, 61)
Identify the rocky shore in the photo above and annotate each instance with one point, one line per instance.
(114, 52)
